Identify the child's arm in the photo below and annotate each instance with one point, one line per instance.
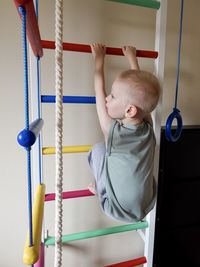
(130, 54)
(98, 52)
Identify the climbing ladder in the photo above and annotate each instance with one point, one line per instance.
(37, 45)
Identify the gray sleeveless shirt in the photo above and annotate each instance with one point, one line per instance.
(129, 184)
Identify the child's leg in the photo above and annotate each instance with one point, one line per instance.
(96, 160)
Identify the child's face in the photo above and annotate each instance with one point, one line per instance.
(115, 102)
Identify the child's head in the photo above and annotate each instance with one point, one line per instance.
(134, 94)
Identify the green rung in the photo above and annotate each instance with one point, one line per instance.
(98, 232)
(145, 3)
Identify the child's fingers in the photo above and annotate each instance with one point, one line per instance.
(98, 49)
(123, 49)
(128, 49)
(92, 48)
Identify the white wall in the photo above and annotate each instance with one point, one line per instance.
(84, 22)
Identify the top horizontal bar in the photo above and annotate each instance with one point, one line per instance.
(32, 26)
(86, 49)
(144, 3)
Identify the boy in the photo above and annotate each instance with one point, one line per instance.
(123, 164)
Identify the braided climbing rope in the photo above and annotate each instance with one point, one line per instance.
(59, 131)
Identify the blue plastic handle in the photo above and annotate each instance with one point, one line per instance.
(27, 137)
(168, 132)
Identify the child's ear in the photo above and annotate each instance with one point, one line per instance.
(130, 111)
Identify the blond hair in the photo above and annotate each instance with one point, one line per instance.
(143, 89)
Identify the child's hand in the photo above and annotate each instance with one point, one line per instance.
(98, 51)
(129, 51)
(130, 54)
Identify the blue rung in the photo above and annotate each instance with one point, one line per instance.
(69, 99)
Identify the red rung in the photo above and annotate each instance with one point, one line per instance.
(70, 194)
(86, 49)
(32, 26)
(129, 263)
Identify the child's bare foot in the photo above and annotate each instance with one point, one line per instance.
(92, 188)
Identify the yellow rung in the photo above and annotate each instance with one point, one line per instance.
(66, 149)
(31, 254)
